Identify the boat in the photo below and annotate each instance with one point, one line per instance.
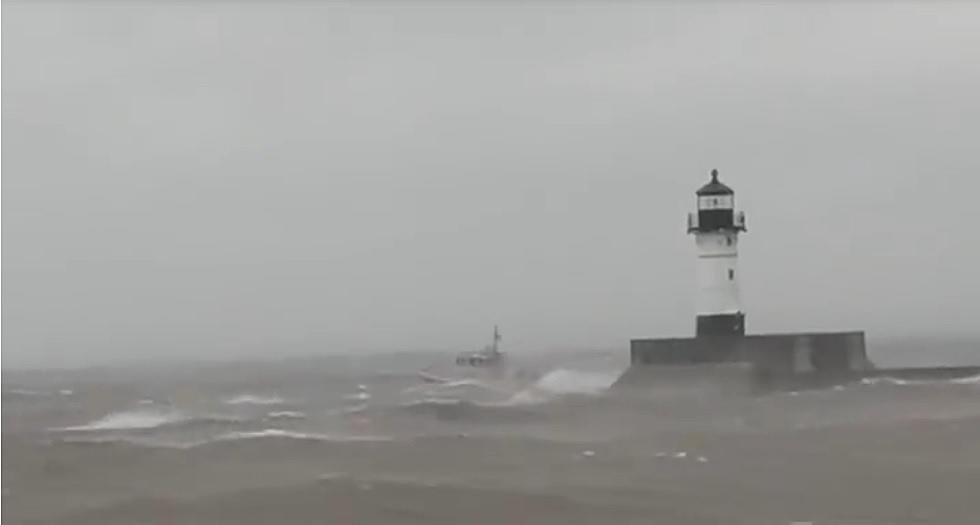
(490, 355)
(488, 364)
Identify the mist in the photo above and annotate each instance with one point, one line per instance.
(221, 179)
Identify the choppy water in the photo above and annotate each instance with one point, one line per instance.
(344, 440)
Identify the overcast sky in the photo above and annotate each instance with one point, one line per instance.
(218, 178)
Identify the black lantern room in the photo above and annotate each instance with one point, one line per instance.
(716, 208)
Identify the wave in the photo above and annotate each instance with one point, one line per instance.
(360, 396)
(566, 381)
(461, 387)
(354, 409)
(871, 381)
(230, 437)
(463, 383)
(252, 399)
(887, 380)
(971, 380)
(530, 396)
(291, 434)
(130, 420)
(145, 419)
(563, 382)
(435, 401)
(286, 414)
(25, 392)
(117, 439)
(459, 409)
(519, 400)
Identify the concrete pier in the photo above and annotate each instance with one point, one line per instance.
(791, 360)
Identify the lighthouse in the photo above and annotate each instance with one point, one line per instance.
(721, 353)
(716, 226)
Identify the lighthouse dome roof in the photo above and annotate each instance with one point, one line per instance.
(714, 187)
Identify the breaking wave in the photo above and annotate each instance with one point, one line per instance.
(25, 392)
(468, 382)
(146, 419)
(131, 420)
(230, 437)
(251, 399)
(286, 414)
(886, 380)
(360, 396)
(971, 380)
(290, 434)
(460, 387)
(517, 402)
(563, 381)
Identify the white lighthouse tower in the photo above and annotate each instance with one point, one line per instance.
(715, 227)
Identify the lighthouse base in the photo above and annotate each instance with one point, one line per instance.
(771, 361)
(720, 324)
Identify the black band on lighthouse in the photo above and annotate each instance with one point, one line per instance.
(721, 324)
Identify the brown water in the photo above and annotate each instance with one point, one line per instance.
(338, 440)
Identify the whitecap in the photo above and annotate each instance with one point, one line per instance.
(97, 439)
(360, 396)
(871, 381)
(464, 382)
(286, 414)
(438, 401)
(971, 380)
(888, 380)
(290, 434)
(130, 420)
(884, 380)
(449, 387)
(150, 418)
(252, 399)
(25, 392)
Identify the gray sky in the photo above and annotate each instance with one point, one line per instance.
(221, 178)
